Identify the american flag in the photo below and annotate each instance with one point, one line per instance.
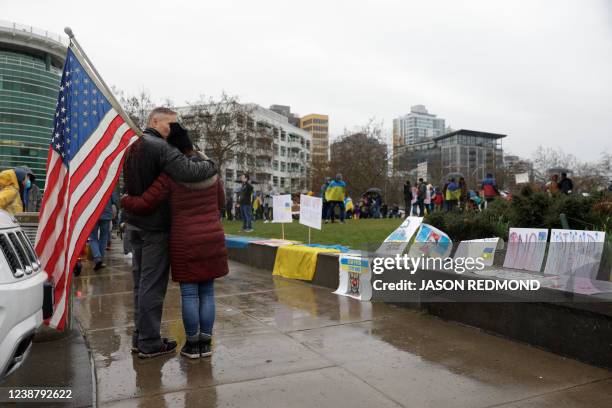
(86, 154)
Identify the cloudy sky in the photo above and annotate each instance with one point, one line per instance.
(539, 71)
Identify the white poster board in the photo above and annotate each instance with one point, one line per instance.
(281, 208)
(397, 241)
(522, 178)
(479, 248)
(526, 249)
(575, 252)
(355, 277)
(311, 211)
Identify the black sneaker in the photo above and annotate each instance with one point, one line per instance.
(167, 347)
(99, 265)
(205, 349)
(191, 349)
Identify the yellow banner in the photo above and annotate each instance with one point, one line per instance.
(297, 261)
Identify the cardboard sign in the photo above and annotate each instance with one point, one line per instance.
(281, 208)
(398, 240)
(526, 248)
(355, 277)
(430, 242)
(311, 210)
(522, 178)
(479, 248)
(575, 252)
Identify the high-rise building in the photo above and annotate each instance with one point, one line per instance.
(415, 127)
(318, 126)
(31, 62)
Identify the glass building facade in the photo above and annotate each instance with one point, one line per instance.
(29, 80)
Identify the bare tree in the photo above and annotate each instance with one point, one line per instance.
(136, 106)
(362, 156)
(225, 128)
(587, 176)
(545, 158)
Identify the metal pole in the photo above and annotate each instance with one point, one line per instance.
(95, 75)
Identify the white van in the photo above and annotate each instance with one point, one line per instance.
(22, 282)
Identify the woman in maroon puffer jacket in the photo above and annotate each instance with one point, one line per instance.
(197, 245)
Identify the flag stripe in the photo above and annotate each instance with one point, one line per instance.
(56, 165)
(87, 220)
(63, 255)
(53, 251)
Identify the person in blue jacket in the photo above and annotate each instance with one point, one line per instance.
(101, 232)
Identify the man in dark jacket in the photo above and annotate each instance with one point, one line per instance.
(245, 199)
(565, 184)
(407, 197)
(100, 235)
(421, 194)
(145, 160)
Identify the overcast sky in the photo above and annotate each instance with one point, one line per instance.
(538, 71)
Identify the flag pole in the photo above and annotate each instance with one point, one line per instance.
(95, 75)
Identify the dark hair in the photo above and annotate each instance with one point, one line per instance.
(246, 175)
(563, 174)
(421, 179)
(180, 139)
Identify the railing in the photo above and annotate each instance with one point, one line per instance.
(16, 28)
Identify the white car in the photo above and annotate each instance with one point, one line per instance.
(22, 283)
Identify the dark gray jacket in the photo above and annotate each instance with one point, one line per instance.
(145, 160)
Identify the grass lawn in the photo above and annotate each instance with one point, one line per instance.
(354, 234)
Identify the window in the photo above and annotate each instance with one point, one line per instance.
(229, 174)
(275, 180)
(283, 166)
(283, 151)
(282, 182)
(275, 165)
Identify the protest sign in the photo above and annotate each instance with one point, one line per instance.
(575, 252)
(522, 178)
(430, 242)
(281, 208)
(479, 248)
(526, 248)
(398, 240)
(311, 210)
(355, 277)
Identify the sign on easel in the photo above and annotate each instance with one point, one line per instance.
(281, 208)
(311, 209)
(355, 277)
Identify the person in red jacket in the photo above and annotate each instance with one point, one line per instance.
(197, 245)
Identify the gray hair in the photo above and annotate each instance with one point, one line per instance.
(159, 111)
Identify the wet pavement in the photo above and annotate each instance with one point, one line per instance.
(281, 343)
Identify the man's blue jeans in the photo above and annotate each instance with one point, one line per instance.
(198, 304)
(246, 212)
(99, 239)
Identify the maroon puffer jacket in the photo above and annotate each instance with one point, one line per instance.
(197, 240)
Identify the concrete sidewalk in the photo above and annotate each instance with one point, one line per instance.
(281, 343)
